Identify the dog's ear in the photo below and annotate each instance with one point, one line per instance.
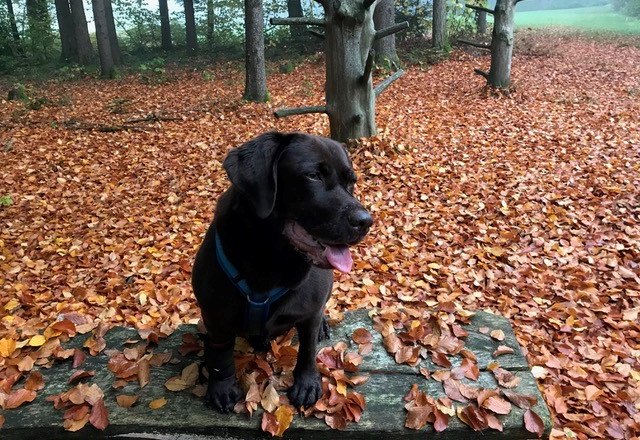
(253, 169)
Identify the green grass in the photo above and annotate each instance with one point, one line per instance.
(596, 19)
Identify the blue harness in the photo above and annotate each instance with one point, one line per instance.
(258, 303)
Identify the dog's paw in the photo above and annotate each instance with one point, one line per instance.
(324, 332)
(222, 395)
(306, 390)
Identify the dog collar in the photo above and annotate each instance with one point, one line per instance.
(258, 303)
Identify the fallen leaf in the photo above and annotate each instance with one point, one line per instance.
(533, 423)
(99, 416)
(158, 403)
(126, 400)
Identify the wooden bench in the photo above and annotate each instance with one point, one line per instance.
(186, 417)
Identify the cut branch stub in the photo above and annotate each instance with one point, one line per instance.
(391, 30)
(387, 82)
(475, 44)
(282, 112)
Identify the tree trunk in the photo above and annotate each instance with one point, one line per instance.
(67, 38)
(83, 43)
(439, 24)
(297, 32)
(39, 22)
(190, 22)
(210, 24)
(350, 97)
(12, 23)
(255, 87)
(385, 16)
(113, 34)
(165, 25)
(481, 22)
(102, 37)
(502, 44)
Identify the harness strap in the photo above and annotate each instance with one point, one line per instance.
(258, 303)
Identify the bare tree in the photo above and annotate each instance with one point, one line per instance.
(439, 24)
(501, 46)
(113, 35)
(210, 23)
(255, 86)
(165, 25)
(349, 93)
(383, 17)
(81, 31)
(102, 37)
(12, 24)
(190, 24)
(69, 50)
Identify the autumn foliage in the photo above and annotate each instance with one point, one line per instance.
(523, 203)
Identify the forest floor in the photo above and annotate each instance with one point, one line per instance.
(526, 204)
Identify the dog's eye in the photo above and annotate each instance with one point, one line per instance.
(314, 176)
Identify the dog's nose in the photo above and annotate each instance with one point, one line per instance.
(361, 220)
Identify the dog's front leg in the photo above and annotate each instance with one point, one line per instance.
(307, 386)
(222, 391)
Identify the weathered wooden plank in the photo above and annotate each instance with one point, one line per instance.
(185, 416)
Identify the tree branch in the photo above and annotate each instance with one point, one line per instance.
(482, 73)
(298, 20)
(391, 30)
(387, 82)
(475, 44)
(480, 8)
(283, 112)
(368, 66)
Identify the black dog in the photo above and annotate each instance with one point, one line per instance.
(278, 231)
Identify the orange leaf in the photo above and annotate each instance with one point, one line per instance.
(158, 403)
(19, 397)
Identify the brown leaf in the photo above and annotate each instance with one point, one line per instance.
(75, 425)
(361, 336)
(533, 423)
(99, 417)
(523, 401)
(126, 400)
(19, 397)
(77, 376)
(419, 416)
(473, 417)
(502, 349)
(34, 382)
(144, 372)
(78, 357)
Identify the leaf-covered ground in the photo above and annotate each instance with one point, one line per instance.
(526, 204)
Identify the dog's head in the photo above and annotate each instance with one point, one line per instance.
(307, 182)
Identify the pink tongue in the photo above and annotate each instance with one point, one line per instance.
(339, 257)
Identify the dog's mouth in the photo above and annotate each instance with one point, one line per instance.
(326, 256)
